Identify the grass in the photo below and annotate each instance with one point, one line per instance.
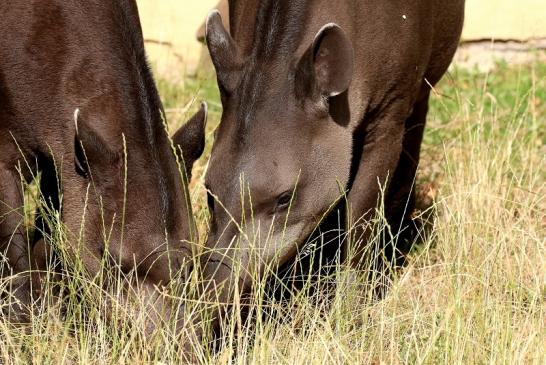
(474, 292)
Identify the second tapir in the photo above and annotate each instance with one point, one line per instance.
(78, 104)
(321, 99)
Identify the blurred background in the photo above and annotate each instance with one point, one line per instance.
(171, 26)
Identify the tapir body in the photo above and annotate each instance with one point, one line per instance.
(78, 104)
(321, 99)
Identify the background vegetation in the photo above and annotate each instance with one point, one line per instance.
(473, 292)
(175, 22)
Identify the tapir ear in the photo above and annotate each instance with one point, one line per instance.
(91, 149)
(327, 66)
(224, 53)
(190, 138)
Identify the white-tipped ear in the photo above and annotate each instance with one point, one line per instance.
(210, 17)
(327, 65)
(223, 51)
(190, 138)
(76, 116)
(333, 59)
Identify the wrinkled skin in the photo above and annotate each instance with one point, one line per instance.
(332, 95)
(78, 103)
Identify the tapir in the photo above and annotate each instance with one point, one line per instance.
(79, 108)
(321, 99)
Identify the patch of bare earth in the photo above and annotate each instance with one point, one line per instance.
(486, 53)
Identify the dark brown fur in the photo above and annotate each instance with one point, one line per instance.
(336, 109)
(76, 92)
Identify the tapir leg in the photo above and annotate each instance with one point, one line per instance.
(13, 241)
(401, 195)
(380, 155)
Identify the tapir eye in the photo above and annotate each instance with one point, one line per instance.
(284, 200)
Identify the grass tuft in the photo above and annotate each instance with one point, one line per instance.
(473, 292)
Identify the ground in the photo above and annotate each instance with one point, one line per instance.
(474, 291)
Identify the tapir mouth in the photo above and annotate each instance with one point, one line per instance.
(295, 241)
(219, 266)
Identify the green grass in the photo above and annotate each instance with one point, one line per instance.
(505, 95)
(473, 293)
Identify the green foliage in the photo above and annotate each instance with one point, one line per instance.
(474, 292)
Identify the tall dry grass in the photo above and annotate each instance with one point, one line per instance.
(473, 292)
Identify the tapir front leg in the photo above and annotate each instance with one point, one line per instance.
(401, 199)
(383, 140)
(13, 242)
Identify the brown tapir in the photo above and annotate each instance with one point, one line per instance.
(321, 99)
(78, 103)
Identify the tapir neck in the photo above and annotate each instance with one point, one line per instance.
(276, 30)
(280, 27)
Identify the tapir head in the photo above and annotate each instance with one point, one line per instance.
(282, 154)
(125, 193)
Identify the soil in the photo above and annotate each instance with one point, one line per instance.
(485, 54)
